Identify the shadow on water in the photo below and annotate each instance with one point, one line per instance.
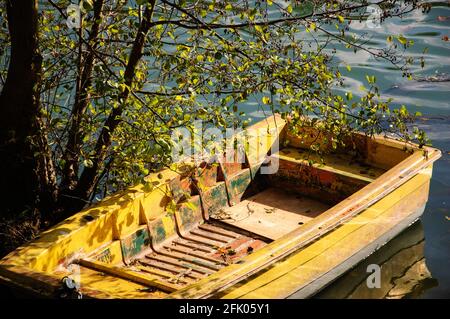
(403, 271)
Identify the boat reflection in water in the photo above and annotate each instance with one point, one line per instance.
(403, 271)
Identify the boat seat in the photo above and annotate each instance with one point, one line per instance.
(329, 179)
(341, 164)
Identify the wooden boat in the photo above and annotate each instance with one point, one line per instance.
(228, 231)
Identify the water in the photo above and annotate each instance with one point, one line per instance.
(428, 93)
(432, 99)
(403, 270)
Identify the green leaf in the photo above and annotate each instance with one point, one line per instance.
(371, 79)
(266, 100)
(402, 39)
(88, 163)
(87, 5)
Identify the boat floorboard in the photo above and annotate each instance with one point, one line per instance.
(272, 213)
(189, 257)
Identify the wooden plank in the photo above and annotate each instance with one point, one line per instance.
(273, 213)
(135, 244)
(96, 284)
(157, 272)
(175, 270)
(111, 253)
(385, 155)
(179, 278)
(218, 230)
(210, 235)
(190, 252)
(378, 151)
(197, 260)
(129, 275)
(195, 246)
(204, 241)
(162, 230)
(189, 214)
(214, 198)
(239, 247)
(342, 164)
(179, 263)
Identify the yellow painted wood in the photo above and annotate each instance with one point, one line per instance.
(115, 217)
(63, 243)
(154, 203)
(146, 279)
(127, 218)
(100, 285)
(318, 258)
(115, 253)
(261, 136)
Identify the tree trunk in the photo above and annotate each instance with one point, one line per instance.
(27, 178)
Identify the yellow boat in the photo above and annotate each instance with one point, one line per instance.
(232, 230)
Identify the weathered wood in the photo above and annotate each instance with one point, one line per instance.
(339, 163)
(306, 266)
(273, 213)
(319, 226)
(129, 275)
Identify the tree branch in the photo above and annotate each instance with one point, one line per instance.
(76, 134)
(90, 175)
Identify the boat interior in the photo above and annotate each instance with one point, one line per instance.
(181, 227)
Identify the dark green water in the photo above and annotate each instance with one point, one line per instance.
(432, 99)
